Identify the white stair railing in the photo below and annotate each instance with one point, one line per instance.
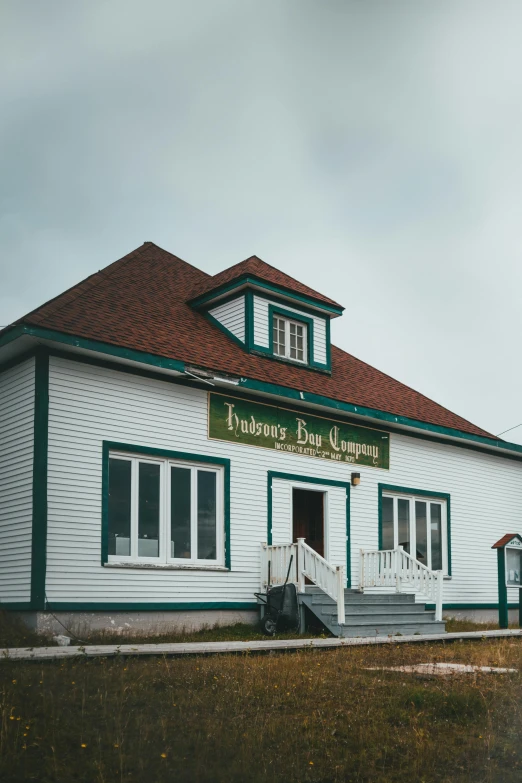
(306, 564)
(319, 571)
(397, 568)
(279, 558)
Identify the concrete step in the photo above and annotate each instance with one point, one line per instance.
(388, 629)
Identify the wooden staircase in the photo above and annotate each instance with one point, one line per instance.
(367, 614)
(390, 582)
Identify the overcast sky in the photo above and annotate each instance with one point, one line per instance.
(371, 149)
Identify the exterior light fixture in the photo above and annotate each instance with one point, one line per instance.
(356, 479)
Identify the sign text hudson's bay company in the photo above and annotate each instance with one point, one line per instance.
(254, 424)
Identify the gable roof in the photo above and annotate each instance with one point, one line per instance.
(255, 267)
(140, 303)
(505, 540)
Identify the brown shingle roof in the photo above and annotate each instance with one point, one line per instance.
(140, 303)
(255, 267)
(505, 539)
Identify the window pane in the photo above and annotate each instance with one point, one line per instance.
(387, 523)
(278, 328)
(436, 536)
(119, 506)
(180, 512)
(206, 515)
(403, 512)
(421, 532)
(148, 510)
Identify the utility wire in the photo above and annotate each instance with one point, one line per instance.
(509, 430)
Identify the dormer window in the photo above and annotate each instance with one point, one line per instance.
(289, 339)
(268, 313)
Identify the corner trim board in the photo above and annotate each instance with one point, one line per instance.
(39, 492)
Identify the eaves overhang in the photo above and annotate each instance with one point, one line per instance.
(17, 340)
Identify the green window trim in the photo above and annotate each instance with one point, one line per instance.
(108, 446)
(274, 474)
(278, 307)
(427, 493)
(291, 316)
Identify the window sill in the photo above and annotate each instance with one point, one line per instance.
(166, 566)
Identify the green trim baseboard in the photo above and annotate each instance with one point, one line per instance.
(39, 492)
(428, 493)
(16, 606)
(274, 474)
(108, 446)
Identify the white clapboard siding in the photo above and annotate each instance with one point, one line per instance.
(335, 516)
(90, 404)
(16, 481)
(232, 316)
(262, 328)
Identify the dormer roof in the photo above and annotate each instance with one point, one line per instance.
(501, 543)
(254, 271)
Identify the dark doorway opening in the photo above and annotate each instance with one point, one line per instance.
(308, 518)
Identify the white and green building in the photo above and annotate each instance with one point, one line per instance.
(164, 434)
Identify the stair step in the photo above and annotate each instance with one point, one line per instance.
(382, 617)
(370, 609)
(364, 598)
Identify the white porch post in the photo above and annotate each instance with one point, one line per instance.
(300, 565)
(438, 603)
(340, 595)
(398, 569)
(264, 565)
(361, 570)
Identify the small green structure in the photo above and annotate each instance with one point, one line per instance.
(509, 558)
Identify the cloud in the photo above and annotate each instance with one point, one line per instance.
(371, 149)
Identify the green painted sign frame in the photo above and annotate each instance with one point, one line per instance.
(249, 423)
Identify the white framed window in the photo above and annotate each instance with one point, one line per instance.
(289, 339)
(419, 524)
(163, 511)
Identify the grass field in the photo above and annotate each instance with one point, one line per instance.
(306, 717)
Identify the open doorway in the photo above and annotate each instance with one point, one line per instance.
(308, 518)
